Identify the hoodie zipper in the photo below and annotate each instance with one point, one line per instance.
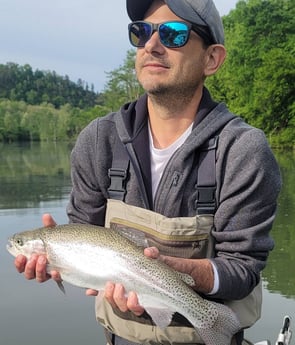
(174, 183)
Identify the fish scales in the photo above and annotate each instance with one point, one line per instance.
(88, 256)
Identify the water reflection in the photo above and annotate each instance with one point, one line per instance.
(280, 271)
(33, 173)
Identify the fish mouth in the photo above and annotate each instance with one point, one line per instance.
(9, 243)
(10, 247)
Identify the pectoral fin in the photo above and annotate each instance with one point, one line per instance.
(61, 286)
(59, 283)
(162, 317)
(159, 312)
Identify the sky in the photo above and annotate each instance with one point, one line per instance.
(79, 38)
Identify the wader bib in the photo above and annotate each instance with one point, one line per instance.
(185, 237)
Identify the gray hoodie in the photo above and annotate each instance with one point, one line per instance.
(248, 184)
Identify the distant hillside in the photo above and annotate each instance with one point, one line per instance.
(21, 83)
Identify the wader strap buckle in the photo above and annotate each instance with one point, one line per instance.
(117, 188)
(205, 202)
(238, 338)
(118, 173)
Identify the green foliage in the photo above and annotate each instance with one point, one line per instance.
(21, 121)
(21, 83)
(45, 117)
(256, 82)
(257, 79)
(122, 85)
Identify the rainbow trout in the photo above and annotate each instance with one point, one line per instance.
(88, 256)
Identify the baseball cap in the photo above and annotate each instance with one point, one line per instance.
(197, 12)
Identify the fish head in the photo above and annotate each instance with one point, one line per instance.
(26, 243)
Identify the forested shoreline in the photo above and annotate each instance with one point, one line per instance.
(256, 82)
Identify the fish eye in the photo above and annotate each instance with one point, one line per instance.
(19, 241)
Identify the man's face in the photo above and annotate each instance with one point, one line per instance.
(173, 70)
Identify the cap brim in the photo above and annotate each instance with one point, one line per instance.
(137, 8)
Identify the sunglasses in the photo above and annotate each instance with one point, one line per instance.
(172, 34)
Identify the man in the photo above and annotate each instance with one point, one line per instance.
(159, 140)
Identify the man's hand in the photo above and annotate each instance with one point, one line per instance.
(200, 270)
(35, 266)
(115, 294)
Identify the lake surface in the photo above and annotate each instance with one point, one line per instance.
(35, 179)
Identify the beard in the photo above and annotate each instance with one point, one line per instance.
(173, 95)
(173, 88)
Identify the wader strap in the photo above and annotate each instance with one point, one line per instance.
(113, 339)
(118, 173)
(206, 182)
(238, 338)
(109, 337)
(116, 340)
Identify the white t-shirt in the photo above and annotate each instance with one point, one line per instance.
(160, 157)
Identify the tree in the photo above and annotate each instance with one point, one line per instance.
(122, 85)
(257, 79)
(21, 83)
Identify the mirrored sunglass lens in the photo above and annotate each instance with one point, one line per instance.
(174, 34)
(139, 33)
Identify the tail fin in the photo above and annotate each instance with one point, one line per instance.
(224, 328)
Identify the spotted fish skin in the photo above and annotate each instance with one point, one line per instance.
(88, 256)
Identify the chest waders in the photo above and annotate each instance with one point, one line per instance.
(186, 237)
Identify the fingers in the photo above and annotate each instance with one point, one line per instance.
(33, 268)
(55, 276)
(20, 263)
(91, 292)
(48, 220)
(36, 268)
(119, 297)
(116, 296)
(30, 268)
(40, 271)
(133, 304)
(152, 252)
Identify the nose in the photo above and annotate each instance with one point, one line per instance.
(154, 45)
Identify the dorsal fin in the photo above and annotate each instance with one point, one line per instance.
(132, 234)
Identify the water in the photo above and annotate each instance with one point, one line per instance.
(35, 179)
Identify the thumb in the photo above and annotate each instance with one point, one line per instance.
(48, 220)
(152, 252)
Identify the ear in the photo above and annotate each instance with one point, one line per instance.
(216, 55)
